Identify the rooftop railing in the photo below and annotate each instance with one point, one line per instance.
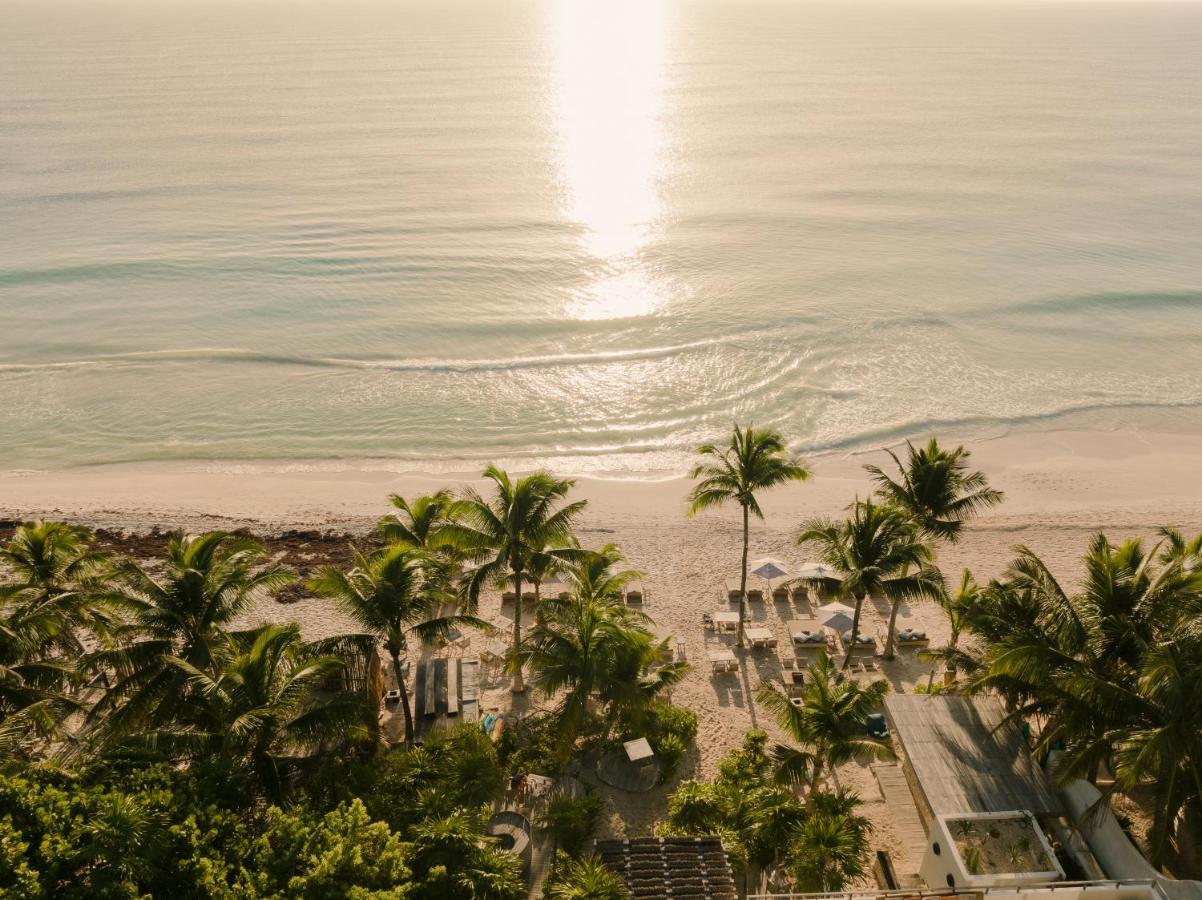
(966, 892)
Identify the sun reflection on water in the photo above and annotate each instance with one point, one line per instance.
(609, 60)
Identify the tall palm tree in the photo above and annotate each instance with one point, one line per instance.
(878, 551)
(524, 523)
(957, 606)
(935, 489)
(829, 723)
(179, 610)
(392, 594)
(262, 702)
(587, 879)
(754, 460)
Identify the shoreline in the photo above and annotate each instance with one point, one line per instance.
(1075, 476)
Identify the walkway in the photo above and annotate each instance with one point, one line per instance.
(900, 801)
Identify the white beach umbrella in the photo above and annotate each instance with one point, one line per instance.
(817, 570)
(829, 610)
(769, 568)
(838, 622)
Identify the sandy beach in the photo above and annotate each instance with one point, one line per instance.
(1060, 486)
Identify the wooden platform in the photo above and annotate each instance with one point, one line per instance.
(446, 692)
(896, 791)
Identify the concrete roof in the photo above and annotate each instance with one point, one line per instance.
(965, 759)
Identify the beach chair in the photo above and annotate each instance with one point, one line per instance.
(755, 594)
(733, 594)
(634, 598)
(780, 594)
(680, 654)
(707, 621)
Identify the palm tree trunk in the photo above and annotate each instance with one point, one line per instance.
(855, 629)
(518, 685)
(892, 625)
(743, 576)
(815, 778)
(400, 683)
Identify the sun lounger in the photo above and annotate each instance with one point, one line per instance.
(508, 597)
(634, 598)
(758, 636)
(912, 637)
(755, 594)
(732, 591)
(780, 594)
(722, 660)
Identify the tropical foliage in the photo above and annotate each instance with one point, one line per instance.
(935, 490)
(754, 460)
(829, 722)
(525, 527)
(1110, 672)
(765, 828)
(877, 551)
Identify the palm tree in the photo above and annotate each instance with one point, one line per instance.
(830, 722)
(587, 879)
(595, 649)
(449, 858)
(181, 610)
(957, 607)
(875, 550)
(754, 460)
(58, 579)
(827, 850)
(935, 489)
(392, 594)
(522, 526)
(417, 522)
(262, 702)
(1108, 670)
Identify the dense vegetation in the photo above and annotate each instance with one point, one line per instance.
(150, 743)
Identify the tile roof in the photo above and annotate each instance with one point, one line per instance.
(672, 867)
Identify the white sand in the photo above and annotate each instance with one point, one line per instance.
(1061, 487)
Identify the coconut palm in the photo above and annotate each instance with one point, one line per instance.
(828, 849)
(754, 460)
(876, 550)
(179, 610)
(595, 575)
(1179, 548)
(525, 523)
(417, 521)
(829, 723)
(35, 680)
(587, 879)
(265, 699)
(957, 606)
(57, 580)
(595, 650)
(392, 594)
(935, 489)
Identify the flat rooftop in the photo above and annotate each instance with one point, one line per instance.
(966, 758)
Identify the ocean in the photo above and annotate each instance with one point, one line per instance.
(590, 234)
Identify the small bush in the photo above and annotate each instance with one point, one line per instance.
(572, 821)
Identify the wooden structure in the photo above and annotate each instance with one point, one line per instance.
(960, 755)
(446, 692)
(659, 867)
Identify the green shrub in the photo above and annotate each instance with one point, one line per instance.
(572, 821)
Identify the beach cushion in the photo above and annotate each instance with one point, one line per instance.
(808, 637)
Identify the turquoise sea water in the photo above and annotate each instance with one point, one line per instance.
(592, 232)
